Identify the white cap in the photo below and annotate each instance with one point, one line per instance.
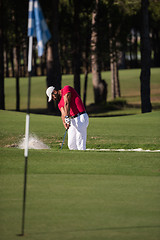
(49, 92)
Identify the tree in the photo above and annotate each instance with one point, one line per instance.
(55, 41)
(53, 63)
(114, 29)
(154, 12)
(68, 51)
(15, 16)
(17, 63)
(76, 46)
(115, 83)
(2, 102)
(99, 85)
(120, 20)
(145, 59)
(86, 59)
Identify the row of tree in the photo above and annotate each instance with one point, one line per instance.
(87, 36)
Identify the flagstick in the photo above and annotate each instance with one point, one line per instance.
(27, 132)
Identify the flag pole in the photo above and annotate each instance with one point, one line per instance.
(27, 132)
(36, 27)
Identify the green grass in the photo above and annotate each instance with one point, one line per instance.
(81, 195)
(129, 84)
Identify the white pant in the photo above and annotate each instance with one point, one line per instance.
(77, 132)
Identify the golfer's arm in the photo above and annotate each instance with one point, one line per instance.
(62, 115)
(67, 99)
(65, 111)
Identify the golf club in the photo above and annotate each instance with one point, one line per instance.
(64, 137)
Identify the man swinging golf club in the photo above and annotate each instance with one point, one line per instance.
(73, 114)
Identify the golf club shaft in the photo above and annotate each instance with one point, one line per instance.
(64, 138)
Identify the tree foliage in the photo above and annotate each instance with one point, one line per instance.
(118, 21)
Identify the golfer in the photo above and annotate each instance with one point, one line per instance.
(73, 114)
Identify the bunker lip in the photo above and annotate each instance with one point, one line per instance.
(122, 150)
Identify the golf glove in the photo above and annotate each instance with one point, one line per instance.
(67, 120)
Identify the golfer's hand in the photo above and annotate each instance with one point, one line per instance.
(66, 125)
(67, 120)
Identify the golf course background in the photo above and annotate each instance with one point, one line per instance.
(129, 84)
(82, 195)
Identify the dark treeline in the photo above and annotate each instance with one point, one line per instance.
(87, 36)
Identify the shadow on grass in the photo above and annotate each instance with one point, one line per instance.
(115, 108)
(102, 110)
(96, 229)
(42, 111)
(91, 113)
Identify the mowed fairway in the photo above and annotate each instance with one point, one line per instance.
(82, 195)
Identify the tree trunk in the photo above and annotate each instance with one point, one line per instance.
(55, 49)
(76, 48)
(52, 60)
(118, 91)
(25, 60)
(6, 64)
(50, 74)
(34, 57)
(156, 47)
(130, 50)
(42, 66)
(145, 59)
(87, 47)
(53, 63)
(136, 49)
(17, 64)
(12, 61)
(115, 84)
(99, 85)
(113, 75)
(85, 87)
(2, 96)
(16, 60)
